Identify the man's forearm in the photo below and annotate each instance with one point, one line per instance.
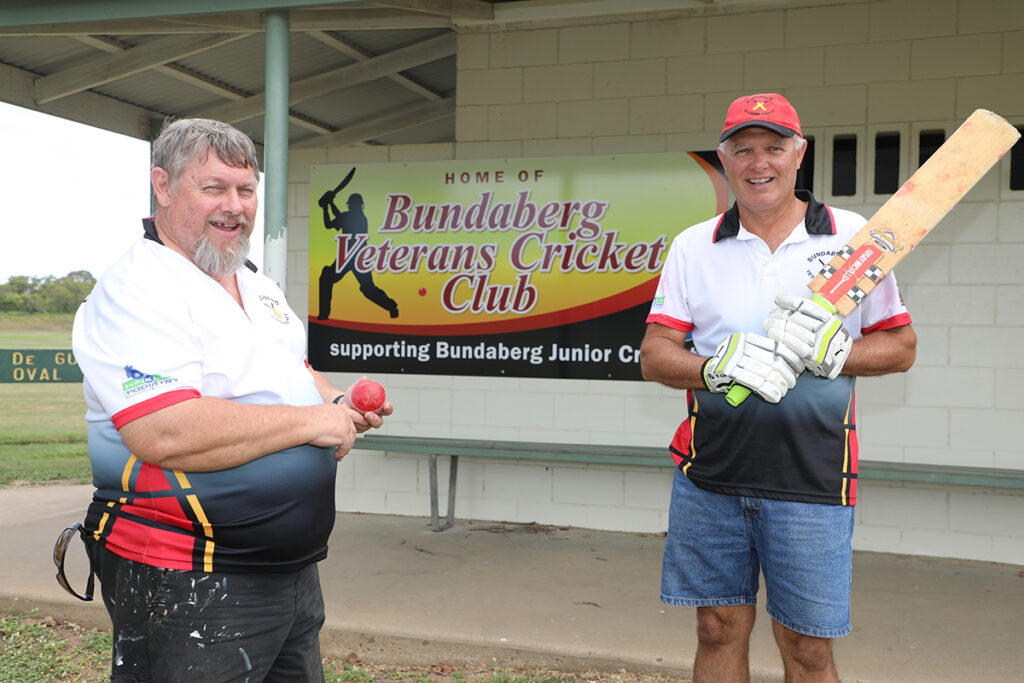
(882, 352)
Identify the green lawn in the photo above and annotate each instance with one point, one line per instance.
(42, 425)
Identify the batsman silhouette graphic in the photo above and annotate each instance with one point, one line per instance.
(352, 223)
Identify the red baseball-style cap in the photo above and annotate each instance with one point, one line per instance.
(766, 110)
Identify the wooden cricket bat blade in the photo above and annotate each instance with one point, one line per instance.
(916, 208)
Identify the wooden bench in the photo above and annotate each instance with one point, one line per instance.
(639, 456)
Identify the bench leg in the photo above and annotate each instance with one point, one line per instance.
(453, 470)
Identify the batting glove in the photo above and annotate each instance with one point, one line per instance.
(812, 329)
(765, 366)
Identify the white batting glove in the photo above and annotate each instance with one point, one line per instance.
(812, 329)
(765, 366)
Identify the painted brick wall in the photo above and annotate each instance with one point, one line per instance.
(661, 84)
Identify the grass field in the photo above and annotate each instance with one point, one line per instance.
(42, 426)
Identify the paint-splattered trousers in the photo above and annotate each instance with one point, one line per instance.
(172, 625)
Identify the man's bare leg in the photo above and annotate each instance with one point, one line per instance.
(807, 659)
(723, 644)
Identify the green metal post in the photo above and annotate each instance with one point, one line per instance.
(275, 150)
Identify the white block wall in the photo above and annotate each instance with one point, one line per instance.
(661, 83)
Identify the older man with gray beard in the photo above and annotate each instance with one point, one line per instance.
(213, 442)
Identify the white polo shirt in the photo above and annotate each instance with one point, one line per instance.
(156, 331)
(719, 279)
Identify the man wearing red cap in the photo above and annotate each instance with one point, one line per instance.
(769, 486)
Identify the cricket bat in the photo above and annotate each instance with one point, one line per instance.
(908, 216)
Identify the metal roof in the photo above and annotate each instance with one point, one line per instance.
(361, 72)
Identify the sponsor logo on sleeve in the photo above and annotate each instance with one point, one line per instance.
(140, 382)
(272, 305)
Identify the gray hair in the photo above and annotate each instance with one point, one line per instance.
(183, 140)
(798, 142)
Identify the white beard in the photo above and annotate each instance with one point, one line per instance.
(217, 263)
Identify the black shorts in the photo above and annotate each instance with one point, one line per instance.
(173, 625)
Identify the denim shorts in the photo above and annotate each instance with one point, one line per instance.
(718, 544)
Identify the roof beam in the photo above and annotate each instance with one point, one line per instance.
(357, 53)
(460, 9)
(386, 123)
(186, 75)
(112, 67)
(345, 77)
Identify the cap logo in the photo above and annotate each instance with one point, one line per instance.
(760, 105)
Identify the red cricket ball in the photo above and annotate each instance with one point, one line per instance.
(367, 396)
(423, 291)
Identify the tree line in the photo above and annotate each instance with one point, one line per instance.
(49, 294)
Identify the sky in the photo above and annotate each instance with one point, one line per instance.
(72, 197)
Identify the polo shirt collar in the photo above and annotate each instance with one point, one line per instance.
(818, 221)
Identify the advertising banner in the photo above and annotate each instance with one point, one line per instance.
(539, 267)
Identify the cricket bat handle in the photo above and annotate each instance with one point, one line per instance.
(737, 395)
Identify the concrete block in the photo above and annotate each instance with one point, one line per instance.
(969, 221)
(596, 43)
(979, 511)
(523, 48)
(1008, 550)
(699, 74)
(434, 151)
(1009, 460)
(1013, 52)
(737, 32)
(358, 154)
(929, 100)
(594, 117)
(623, 519)
(955, 56)
(973, 388)
(932, 344)
(904, 426)
(876, 539)
(559, 147)
(471, 123)
(928, 265)
(489, 86)
(628, 144)
(522, 121)
(997, 430)
(558, 83)
(472, 478)
(999, 15)
(818, 25)
(299, 161)
(581, 411)
(881, 390)
(385, 473)
(948, 457)
(952, 304)
(506, 149)
(488, 509)
(831, 105)
(777, 70)
(867, 63)
(360, 500)
(648, 490)
(510, 410)
(1008, 394)
(576, 485)
(632, 78)
(903, 508)
(559, 514)
(405, 503)
(978, 346)
(435, 406)
(470, 406)
(1003, 94)
(667, 37)
(473, 51)
(518, 482)
(997, 264)
(1011, 218)
(666, 114)
(946, 544)
(901, 19)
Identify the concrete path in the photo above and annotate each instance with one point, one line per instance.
(569, 599)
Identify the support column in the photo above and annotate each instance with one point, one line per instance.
(275, 149)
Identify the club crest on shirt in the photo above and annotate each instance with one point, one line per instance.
(140, 382)
(819, 260)
(271, 303)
